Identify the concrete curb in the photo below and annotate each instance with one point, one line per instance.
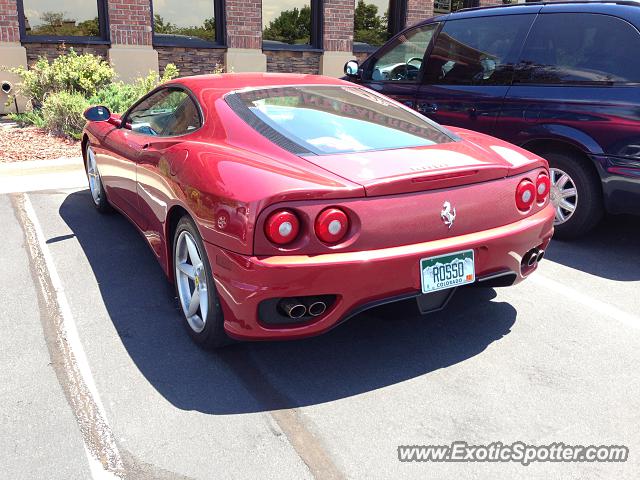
(31, 167)
(35, 175)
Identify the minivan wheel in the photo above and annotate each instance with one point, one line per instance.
(195, 287)
(576, 194)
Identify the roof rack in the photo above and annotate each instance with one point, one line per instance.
(617, 2)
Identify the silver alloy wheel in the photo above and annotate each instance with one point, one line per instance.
(94, 175)
(191, 280)
(564, 195)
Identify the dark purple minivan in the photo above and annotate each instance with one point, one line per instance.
(559, 79)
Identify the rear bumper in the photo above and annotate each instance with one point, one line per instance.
(357, 278)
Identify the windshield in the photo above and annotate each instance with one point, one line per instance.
(337, 119)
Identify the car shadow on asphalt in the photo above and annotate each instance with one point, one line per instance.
(378, 348)
(611, 250)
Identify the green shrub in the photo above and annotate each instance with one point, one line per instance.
(119, 96)
(62, 113)
(30, 117)
(60, 91)
(84, 74)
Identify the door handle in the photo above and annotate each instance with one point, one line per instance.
(427, 107)
(146, 146)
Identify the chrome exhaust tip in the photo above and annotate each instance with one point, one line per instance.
(317, 308)
(533, 258)
(293, 308)
(540, 256)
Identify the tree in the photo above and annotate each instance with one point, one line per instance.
(90, 28)
(291, 26)
(207, 31)
(160, 26)
(368, 26)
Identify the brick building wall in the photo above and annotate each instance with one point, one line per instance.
(293, 61)
(52, 50)
(244, 23)
(130, 22)
(9, 27)
(130, 27)
(337, 24)
(418, 10)
(191, 61)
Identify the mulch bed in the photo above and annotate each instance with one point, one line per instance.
(31, 143)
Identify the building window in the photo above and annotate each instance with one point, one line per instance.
(448, 6)
(73, 20)
(197, 24)
(291, 24)
(371, 22)
(376, 21)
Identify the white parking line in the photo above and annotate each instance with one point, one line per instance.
(602, 308)
(102, 452)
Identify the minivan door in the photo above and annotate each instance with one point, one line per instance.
(470, 69)
(396, 68)
(578, 81)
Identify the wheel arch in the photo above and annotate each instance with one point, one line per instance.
(85, 141)
(547, 145)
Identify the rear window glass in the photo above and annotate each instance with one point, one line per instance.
(334, 119)
(566, 48)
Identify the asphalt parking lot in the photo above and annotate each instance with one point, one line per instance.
(554, 359)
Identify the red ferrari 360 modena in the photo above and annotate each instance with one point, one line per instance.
(281, 205)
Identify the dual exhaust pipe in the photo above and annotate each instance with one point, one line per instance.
(532, 257)
(296, 308)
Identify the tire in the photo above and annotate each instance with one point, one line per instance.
(569, 173)
(205, 323)
(96, 188)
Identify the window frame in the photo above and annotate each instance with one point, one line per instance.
(103, 23)
(169, 86)
(317, 32)
(220, 22)
(397, 19)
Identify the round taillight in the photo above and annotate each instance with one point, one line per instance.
(332, 225)
(543, 185)
(525, 195)
(282, 227)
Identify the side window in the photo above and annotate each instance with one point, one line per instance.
(477, 51)
(165, 113)
(402, 59)
(580, 48)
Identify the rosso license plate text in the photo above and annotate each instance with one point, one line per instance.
(446, 271)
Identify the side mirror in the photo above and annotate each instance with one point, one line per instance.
(351, 68)
(97, 114)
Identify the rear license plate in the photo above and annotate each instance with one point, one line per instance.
(446, 271)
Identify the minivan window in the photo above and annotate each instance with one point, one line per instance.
(580, 48)
(477, 51)
(402, 58)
